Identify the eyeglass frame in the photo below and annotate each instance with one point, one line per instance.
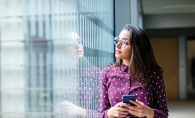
(76, 41)
(122, 42)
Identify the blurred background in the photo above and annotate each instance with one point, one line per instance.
(50, 50)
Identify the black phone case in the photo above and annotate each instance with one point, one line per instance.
(127, 98)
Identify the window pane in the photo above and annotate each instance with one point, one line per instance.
(52, 53)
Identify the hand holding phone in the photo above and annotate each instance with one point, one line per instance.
(127, 98)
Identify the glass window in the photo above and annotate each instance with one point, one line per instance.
(51, 56)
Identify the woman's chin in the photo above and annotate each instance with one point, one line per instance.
(80, 56)
(117, 56)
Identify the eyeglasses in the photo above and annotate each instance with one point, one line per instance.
(122, 42)
(75, 42)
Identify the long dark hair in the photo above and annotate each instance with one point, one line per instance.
(142, 60)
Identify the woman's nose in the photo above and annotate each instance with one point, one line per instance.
(79, 45)
(118, 45)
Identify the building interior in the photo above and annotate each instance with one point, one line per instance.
(40, 67)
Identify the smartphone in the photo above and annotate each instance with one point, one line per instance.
(127, 98)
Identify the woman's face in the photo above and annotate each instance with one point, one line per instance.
(80, 49)
(76, 48)
(123, 53)
(75, 45)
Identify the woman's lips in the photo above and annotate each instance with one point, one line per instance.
(79, 52)
(117, 52)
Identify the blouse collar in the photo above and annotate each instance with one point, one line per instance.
(124, 68)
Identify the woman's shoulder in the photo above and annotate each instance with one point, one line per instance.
(156, 75)
(107, 72)
(109, 68)
(95, 68)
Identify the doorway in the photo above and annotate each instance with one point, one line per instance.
(166, 54)
(190, 69)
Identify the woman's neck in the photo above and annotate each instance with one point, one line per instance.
(126, 62)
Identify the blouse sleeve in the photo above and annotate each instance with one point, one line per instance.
(105, 104)
(95, 100)
(160, 99)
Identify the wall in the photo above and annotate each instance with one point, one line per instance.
(127, 12)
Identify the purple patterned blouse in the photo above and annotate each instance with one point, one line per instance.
(116, 83)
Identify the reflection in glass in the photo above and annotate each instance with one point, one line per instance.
(52, 53)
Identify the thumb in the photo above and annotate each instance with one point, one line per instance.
(140, 103)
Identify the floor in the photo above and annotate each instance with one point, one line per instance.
(181, 109)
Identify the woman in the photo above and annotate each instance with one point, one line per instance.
(81, 82)
(135, 72)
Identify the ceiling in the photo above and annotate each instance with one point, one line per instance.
(151, 7)
(169, 17)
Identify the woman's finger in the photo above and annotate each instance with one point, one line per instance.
(123, 114)
(134, 102)
(126, 109)
(125, 105)
(132, 107)
(137, 103)
(118, 105)
(136, 113)
(140, 103)
(133, 112)
(135, 109)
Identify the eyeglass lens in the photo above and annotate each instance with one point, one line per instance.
(122, 42)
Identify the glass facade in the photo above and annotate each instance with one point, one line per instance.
(51, 56)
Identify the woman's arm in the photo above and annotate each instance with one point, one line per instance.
(105, 104)
(93, 107)
(160, 99)
(159, 107)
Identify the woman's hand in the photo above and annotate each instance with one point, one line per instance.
(120, 110)
(72, 109)
(140, 109)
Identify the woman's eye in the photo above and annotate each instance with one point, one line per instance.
(124, 41)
